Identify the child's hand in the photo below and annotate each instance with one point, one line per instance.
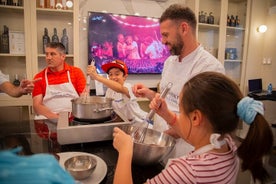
(159, 105)
(122, 142)
(91, 71)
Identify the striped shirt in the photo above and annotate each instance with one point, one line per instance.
(77, 78)
(207, 168)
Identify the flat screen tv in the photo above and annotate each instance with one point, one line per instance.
(136, 40)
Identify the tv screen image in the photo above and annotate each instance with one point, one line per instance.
(133, 39)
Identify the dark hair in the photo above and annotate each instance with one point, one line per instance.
(217, 96)
(179, 13)
(57, 45)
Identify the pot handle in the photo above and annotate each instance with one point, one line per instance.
(103, 109)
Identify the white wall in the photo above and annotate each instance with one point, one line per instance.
(143, 7)
(261, 45)
(269, 51)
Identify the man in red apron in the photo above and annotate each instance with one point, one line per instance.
(60, 83)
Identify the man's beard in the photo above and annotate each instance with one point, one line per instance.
(178, 46)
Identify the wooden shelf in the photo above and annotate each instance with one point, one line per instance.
(11, 55)
(16, 8)
(6, 100)
(233, 61)
(208, 26)
(49, 11)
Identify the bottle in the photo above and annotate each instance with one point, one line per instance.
(3, 2)
(52, 4)
(65, 40)
(228, 20)
(5, 47)
(16, 81)
(45, 39)
(9, 2)
(237, 21)
(201, 17)
(55, 36)
(269, 89)
(232, 21)
(15, 2)
(63, 2)
(20, 3)
(41, 4)
(210, 18)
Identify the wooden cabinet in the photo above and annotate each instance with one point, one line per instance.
(31, 19)
(51, 19)
(16, 18)
(227, 42)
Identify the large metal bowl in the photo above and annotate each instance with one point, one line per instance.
(156, 145)
(81, 166)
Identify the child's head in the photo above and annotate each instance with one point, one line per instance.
(222, 104)
(116, 70)
(115, 64)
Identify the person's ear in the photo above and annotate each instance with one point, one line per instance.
(63, 56)
(184, 26)
(196, 117)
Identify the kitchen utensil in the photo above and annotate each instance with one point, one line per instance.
(94, 107)
(86, 92)
(80, 166)
(149, 118)
(97, 175)
(156, 145)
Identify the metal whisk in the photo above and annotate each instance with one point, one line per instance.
(149, 118)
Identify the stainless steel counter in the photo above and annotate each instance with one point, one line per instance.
(67, 134)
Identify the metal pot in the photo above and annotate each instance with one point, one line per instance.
(92, 107)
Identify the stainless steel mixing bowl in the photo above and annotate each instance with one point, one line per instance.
(156, 145)
(81, 166)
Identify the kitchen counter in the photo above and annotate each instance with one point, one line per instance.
(102, 149)
(105, 150)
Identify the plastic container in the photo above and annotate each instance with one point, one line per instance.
(269, 89)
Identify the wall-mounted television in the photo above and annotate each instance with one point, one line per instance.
(136, 40)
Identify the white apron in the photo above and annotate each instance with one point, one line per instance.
(58, 98)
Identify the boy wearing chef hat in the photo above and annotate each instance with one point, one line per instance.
(124, 101)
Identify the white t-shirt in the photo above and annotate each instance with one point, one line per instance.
(128, 106)
(179, 73)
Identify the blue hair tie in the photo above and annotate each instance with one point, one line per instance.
(248, 108)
